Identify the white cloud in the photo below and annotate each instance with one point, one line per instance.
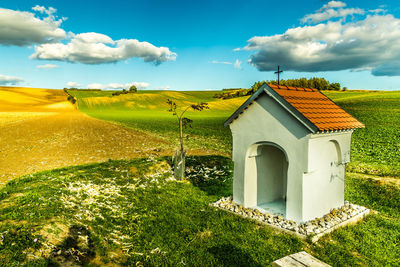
(333, 9)
(95, 48)
(118, 86)
(332, 4)
(10, 80)
(49, 11)
(237, 64)
(42, 27)
(47, 66)
(378, 10)
(371, 42)
(73, 84)
(221, 62)
(25, 28)
(167, 87)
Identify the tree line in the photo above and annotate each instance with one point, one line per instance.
(317, 83)
(70, 97)
(132, 90)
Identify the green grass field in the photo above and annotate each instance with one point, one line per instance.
(132, 213)
(375, 149)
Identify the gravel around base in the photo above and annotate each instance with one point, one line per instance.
(309, 228)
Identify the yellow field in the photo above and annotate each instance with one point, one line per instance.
(20, 99)
(40, 130)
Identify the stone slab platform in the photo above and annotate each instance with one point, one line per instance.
(300, 259)
(286, 226)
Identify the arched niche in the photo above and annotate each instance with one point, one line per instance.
(266, 177)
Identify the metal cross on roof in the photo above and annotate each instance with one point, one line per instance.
(278, 72)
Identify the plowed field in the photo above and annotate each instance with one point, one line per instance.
(39, 130)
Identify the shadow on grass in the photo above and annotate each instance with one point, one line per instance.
(211, 174)
(77, 248)
(230, 255)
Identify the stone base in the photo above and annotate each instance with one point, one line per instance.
(313, 229)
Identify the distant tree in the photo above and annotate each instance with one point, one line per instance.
(334, 86)
(317, 83)
(71, 99)
(133, 89)
(183, 123)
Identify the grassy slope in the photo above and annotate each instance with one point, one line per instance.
(375, 149)
(130, 213)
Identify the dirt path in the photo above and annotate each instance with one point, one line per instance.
(34, 142)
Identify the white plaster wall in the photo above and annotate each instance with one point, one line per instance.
(323, 183)
(271, 174)
(276, 126)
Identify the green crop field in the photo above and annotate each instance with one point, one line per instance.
(375, 149)
(148, 111)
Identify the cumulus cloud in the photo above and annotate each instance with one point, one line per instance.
(370, 42)
(333, 9)
(42, 28)
(47, 66)
(10, 80)
(73, 84)
(237, 64)
(49, 11)
(118, 86)
(25, 28)
(332, 4)
(96, 48)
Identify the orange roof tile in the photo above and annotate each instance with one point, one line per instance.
(317, 108)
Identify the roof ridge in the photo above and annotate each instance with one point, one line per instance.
(292, 88)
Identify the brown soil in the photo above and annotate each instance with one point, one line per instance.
(68, 138)
(40, 130)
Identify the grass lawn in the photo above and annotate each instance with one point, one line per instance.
(133, 213)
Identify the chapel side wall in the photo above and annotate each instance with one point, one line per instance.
(277, 126)
(323, 183)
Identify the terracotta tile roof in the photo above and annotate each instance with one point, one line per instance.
(317, 108)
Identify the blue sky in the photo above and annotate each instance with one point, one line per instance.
(194, 45)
